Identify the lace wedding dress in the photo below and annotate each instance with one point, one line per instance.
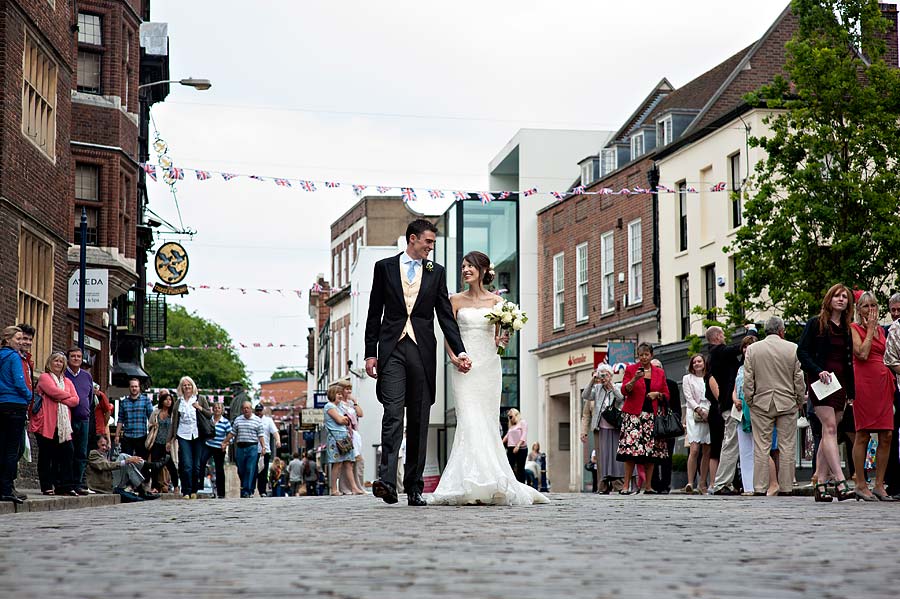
(478, 471)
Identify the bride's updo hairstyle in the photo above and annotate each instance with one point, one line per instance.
(480, 261)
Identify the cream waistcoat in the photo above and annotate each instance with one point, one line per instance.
(410, 293)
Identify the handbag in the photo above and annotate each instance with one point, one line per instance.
(36, 403)
(612, 415)
(343, 445)
(667, 425)
(205, 427)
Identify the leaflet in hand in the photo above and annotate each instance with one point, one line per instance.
(823, 390)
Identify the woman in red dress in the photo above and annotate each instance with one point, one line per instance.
(873, 406)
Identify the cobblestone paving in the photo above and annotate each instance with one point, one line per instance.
(578, 546)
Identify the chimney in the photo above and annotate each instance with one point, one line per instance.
(889, 12)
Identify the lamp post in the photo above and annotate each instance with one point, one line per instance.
(200, 84)
(82, 271)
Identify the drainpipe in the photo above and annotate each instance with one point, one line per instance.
(653, 181)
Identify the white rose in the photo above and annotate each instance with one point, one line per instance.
(517, 324)
(497, 309)
(506, 318)
(517, 313)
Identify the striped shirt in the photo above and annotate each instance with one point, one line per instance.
(223, 427)
(133, 415)
(247, 430)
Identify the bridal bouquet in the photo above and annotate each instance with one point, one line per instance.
(509, 317)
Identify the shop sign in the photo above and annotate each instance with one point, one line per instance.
(171, 263)
(312, 416)
(96, 289)
(620, 352)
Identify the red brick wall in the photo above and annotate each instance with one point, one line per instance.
(578, 223)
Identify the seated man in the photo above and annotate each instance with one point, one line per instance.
(127, 476)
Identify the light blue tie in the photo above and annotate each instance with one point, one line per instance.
(411, 273)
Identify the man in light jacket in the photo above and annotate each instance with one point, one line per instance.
(774, 390)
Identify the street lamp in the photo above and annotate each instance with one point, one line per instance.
(200, 84)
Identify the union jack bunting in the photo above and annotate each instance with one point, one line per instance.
(691, 190)
(308, 185)
(664, 189)
(408, 193)
(282, 182)
(720, 186)
(150, 169)
(624, 192)
(332, 184)
(578, 190)
(176, 173)
(256, 177)
(503, 195)
(228, 176)
(359, 189)
(383, 189)
(605, 191)
(435, 194)
(640, 190)
(316, 288)
(202, 175)
(556, 195)
(529, 192)
(485, 197)
(460, 195)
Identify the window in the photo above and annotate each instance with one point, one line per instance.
(684, 306)
(637, 145)
(587, 173)
(581, 282)
(709, 288)
(345, 266)
(559, 288)
(39, 98)
(35, 292)
(92, 232)
(607, 276)
(336, 269)
(89, 29)
(635, 276)
(87, 182)
(734, 173)
(607, 161)
(682, 217)
(352, 252)
(737, 274)
(664, 134)
(88, 72)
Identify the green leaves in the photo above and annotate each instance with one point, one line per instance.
(824, 207)
(210, 368)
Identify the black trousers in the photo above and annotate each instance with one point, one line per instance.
(135, 446)
(892, 475)
(218, 456)
(12, 424)
(662, 474)
(517, 462)
(262, 477)
(402, 386)
(158, 453)
(55, 464)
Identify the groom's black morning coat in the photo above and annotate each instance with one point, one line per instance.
(387, 315)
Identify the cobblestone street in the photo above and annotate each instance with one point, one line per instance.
(579, 546)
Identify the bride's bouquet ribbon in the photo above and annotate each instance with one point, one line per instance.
(509, 317)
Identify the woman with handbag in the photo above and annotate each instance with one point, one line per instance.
(157, 436)
(51, 423)
(191, 425)
(601, 416)
(339, 447)
(697, 406)
(645, 390)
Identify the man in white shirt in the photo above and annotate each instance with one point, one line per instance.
(270, 434)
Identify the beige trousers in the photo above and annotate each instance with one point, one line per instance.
(763, 423)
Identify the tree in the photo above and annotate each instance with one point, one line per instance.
(210, 368)
(288, 374)
(825, 204)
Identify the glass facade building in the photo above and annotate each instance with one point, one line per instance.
(491, 228)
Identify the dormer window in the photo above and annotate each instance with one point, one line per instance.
(587, 172)
(608, 162)
(637, 145)
(664, 131)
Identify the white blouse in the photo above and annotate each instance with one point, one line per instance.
(187, 419)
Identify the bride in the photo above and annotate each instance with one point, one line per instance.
(478, 471)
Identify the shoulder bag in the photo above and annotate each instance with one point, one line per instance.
(344, 445)
(667, 425)
(612, 414)
(205, 427)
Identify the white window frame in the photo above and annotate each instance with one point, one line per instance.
(635, 266)
(587, 173)
(345, 266)
(634, 151)
(608, 272)
(559, 290)
(613, 152)
(336, 269)
(581, 283)
(664, 131)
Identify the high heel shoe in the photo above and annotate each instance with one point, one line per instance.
(861, 496)
(842, 490)
(822, 493)
(882, 496)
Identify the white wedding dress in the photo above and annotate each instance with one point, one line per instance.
(478, 471)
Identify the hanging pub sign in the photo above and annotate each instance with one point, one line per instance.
(171, 267)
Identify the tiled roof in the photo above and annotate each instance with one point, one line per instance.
(639, 116)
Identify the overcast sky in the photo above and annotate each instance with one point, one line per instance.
(395, 92)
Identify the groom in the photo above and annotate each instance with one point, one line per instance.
(407, 291)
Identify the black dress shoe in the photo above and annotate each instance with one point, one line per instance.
(12, 499)
(416, 499)
(21, 496)
(724, 491)
(384, 491)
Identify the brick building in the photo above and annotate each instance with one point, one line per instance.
(38, 68)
